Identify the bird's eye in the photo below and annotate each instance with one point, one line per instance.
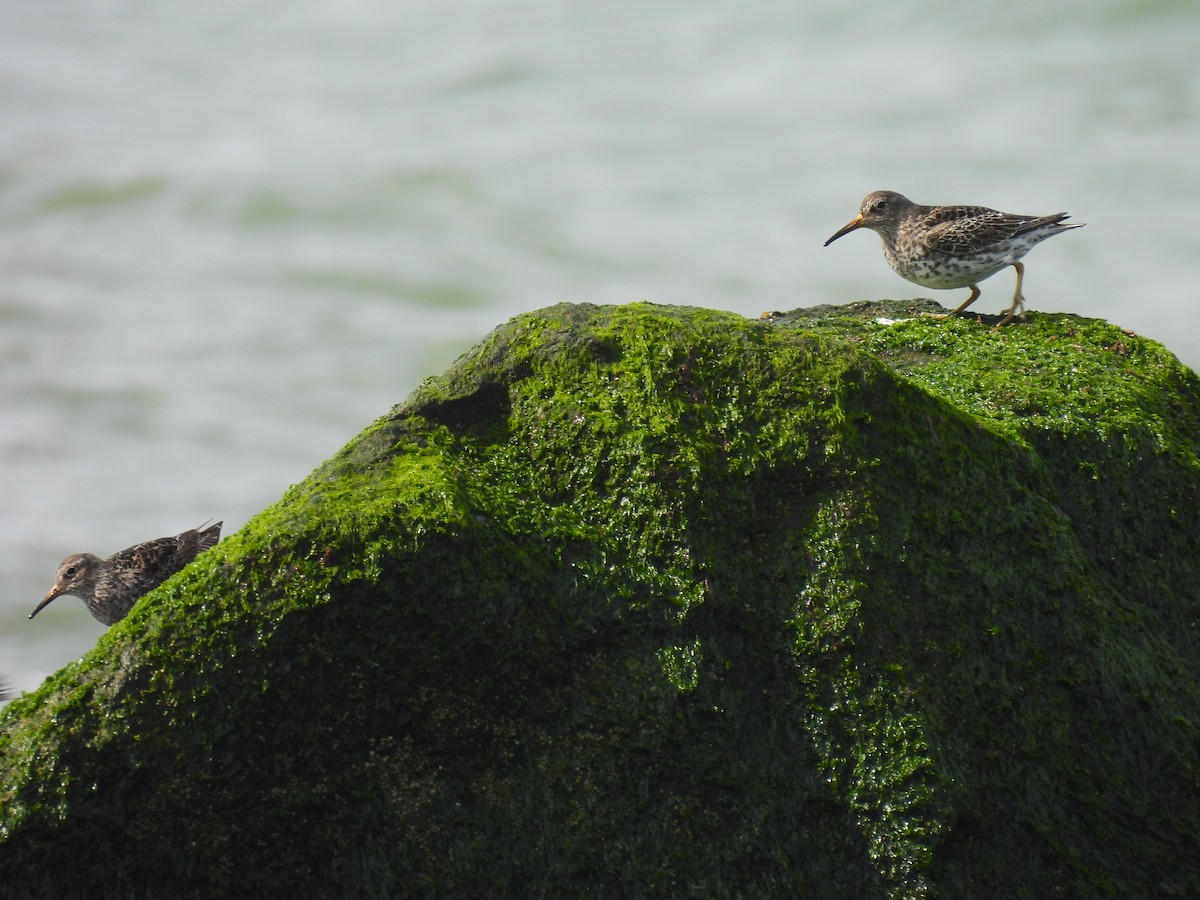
(70, 573)
(879, 206)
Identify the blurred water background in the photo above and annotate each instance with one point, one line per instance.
(232, 234)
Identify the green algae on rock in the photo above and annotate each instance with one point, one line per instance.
(659, 602)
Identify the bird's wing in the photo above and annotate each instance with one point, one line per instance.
(962, 229)
(210, 536)
(199, 539)
(1033, 223)
(146, 557)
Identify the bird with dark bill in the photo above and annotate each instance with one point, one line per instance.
(110, 587)
(944, 247)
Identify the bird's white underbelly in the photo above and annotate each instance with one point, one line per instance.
(941, 272)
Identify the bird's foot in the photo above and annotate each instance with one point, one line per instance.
(1016, 311)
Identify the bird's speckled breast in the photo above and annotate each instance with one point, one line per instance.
(941, 271)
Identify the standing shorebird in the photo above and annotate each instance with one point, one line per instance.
(952, 246)
(110, 587)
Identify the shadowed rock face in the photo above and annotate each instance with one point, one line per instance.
(646, 601)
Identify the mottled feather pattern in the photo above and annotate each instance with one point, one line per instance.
(965, 230)
(944, 247)
(110, 587)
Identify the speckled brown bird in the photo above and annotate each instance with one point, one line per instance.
(110, 587)
(945, 247)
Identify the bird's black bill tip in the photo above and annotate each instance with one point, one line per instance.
(45, 601)
(855, 223)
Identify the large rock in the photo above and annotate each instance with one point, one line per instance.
(660, 602)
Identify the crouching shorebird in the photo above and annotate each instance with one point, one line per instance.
(110, 587)
(953, 246)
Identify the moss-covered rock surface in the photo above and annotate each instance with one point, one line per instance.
(644, 601)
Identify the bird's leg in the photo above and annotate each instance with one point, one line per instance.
(974, 296)
(1018, 304)
(950, 315)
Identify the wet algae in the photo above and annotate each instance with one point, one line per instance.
(649, 601)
